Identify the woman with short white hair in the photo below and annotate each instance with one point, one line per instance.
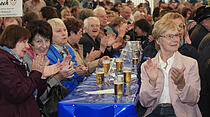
(59, 49)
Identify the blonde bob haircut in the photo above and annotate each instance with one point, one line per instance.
(162, 26)
(173, 16)
(54, 22)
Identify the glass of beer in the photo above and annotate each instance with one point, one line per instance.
(135, 61)
(118, 86)
(135, 58)
(99, 76)
(119, 64)
(106, 66)
(127, 74)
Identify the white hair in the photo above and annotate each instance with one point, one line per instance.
(55, 21)
(138, 14)
(97, 9)
(86, 22)
(124, 8)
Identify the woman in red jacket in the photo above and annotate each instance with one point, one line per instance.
(17, 86)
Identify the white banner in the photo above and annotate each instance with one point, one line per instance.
(11, 8)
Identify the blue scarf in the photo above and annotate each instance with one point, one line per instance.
(11, 52)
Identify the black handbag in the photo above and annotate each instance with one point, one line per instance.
(56, 94)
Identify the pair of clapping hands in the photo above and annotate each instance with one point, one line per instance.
(62, 70)
(177, 75)
(68, 68)
(95, 54)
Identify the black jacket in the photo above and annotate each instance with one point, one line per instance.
(198, 34)
(88, 43)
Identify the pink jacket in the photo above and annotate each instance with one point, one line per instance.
(184, 102)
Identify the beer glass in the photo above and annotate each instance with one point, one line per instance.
(119, 64)
(127, 74)
(135, 57)
(99, 76)
(106, 66)
(118, 86)
(135, 61)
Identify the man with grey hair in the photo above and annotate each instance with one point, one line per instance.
(125, 12)
(100, 13)
(91, 40)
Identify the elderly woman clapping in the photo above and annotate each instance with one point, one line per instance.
(41, 37)
(59, 49)
(170, 81)
(17, 85)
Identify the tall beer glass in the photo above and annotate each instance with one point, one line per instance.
(106, 66)
(99, 76)
(118, 85)
(119, 64)
(127, 74)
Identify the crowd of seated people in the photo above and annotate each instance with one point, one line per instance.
(63, 41)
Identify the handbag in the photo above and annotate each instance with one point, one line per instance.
(56, 94)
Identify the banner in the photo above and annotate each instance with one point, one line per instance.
(11, 8)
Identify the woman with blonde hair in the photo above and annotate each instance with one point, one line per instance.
(180, 21)
(170, 81)
(59, 49)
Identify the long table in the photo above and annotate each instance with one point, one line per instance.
(82, 103)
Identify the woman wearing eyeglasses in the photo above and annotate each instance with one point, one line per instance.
(170, 81)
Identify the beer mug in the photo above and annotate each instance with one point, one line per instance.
(119, 64)
(106, 66)
(127, 74)
(99, 76)
(118, 86)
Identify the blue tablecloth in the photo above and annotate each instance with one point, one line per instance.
(81, 104)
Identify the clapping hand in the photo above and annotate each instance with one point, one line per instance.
(122, 30)
(52, 69)
(38, 63)
(152, 71)
(80, 69)
(93, 55)
(67, 70)
(177, 75)
(110, 39)
(66, 60)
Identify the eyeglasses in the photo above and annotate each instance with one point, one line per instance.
(171, 36)
(102, 16)
(182, 26)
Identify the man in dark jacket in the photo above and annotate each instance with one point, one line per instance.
(91, 40)
(204, 67)
(202, 29)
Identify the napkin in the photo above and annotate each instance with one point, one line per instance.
(106, 91)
